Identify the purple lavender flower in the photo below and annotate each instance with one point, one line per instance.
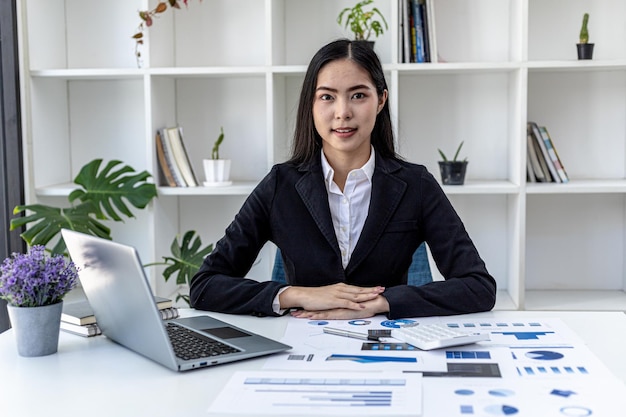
(34, 279)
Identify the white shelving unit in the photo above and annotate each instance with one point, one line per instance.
(240, 63)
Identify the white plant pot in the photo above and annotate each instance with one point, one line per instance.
(217, 172)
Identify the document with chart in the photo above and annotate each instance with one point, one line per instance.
(284, 393)
(530, 367)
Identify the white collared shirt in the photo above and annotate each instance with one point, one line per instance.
(349, 208)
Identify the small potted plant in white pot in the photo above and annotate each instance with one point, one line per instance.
(217, 170)
(584, 48)
(363, 24)
(452, 171)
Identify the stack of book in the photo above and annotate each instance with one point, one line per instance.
(543, 162)
(78, 317)
(176, 169)
(416, 31)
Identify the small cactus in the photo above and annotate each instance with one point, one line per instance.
(584, 33)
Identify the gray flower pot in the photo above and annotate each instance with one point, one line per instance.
(36, 329)
(453, 172)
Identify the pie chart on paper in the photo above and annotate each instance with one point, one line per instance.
(544, 355)
(501, 410)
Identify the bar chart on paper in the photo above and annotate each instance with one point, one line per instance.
(285, 393)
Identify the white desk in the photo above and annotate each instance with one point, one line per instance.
(96, 377)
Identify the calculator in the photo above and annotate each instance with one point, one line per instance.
(435, 336)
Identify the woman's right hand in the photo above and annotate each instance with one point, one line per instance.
(328, 297)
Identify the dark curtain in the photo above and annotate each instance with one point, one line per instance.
(11, 168)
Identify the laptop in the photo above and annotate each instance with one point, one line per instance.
(116, 286)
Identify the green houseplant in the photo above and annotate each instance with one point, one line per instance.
(217, 170)
(185, 260)
(363, 23)
(147, 19)
(104, 195)
(584, 48)
(104, 191)
(452, 171)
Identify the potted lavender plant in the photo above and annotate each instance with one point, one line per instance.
(34, 285)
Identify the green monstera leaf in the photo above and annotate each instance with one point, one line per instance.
(48, 222)
(186, 260)
(103, 193)
(108, 189)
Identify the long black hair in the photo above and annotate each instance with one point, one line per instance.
(306, 141)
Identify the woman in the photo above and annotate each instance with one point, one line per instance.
(347, 214)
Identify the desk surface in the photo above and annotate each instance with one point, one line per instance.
(96, 377)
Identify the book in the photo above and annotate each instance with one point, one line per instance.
(165, 163)
(79, 312)
(175, 137)
(554, 156)
(92, 329)
(534, 129)
(430, 31)
(534, 167)
(425, 39)
(418, 32)
(406, 31)
(170, 160)
(87, 330)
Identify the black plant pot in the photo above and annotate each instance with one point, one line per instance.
(452, 172)
(585, 50)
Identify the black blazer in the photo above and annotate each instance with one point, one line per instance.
(290, 208)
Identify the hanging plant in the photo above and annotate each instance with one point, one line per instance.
(147, 19)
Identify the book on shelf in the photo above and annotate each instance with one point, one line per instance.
(533, 130)
(418, 23)
(416, 31)
(175, 137)
(79, 312)
(553, 154)
(168, 162)
(535, 169)
(165, 163)
(430, 30)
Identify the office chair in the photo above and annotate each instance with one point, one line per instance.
(419, 271)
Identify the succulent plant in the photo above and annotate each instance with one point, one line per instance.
(456, 154)
(584, 33)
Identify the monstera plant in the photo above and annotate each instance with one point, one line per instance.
(186, 259)
(105, 195)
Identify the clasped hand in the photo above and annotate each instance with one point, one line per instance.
(337, 301)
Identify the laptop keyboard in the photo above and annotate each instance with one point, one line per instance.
(191, 345)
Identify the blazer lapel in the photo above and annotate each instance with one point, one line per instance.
(313, 193)
(387, 192)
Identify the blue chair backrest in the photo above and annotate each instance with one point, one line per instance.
(419, 271)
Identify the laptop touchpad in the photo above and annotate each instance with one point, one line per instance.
(225, 332)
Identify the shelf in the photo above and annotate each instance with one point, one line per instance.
(591, 300)
(58, 190)
(179, 72)
(89, 74)
(454, 67)
(576, 65)
(240, 65)
(482, 187)
(575, 186)
(237, 188)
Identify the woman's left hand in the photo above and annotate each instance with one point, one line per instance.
(373, 307)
